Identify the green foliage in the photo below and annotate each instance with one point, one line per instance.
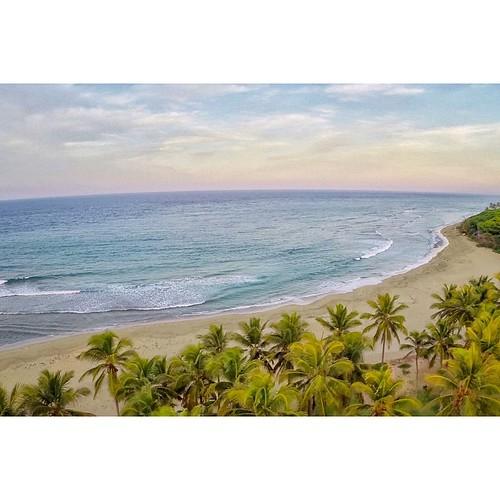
(145, 384)
(253, 339)
(355, 345)
(441, 339)
(385, 319)
(263, 395)
(318, 373)
(381, 395)
(460, 306)
(227, 369)
(417, 344)
(289, 371)
(484, 228)
(215, 341)
(340, 320)
(289, 329)
(190, 375)
(9, 402)
(110, 353)
(485, 331)
(469, 385)
(52, 395)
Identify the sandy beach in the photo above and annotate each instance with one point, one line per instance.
(461, 260)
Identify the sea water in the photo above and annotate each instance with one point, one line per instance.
(81, 263)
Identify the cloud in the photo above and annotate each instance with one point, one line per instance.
(356, 92)
(453, 137)
(77, 139)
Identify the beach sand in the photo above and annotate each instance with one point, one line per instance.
(461, 260)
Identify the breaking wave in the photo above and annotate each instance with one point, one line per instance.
(168, 294)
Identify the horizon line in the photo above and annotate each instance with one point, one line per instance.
(234, 190)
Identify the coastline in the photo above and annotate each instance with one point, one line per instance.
(244, 311)
(455, 261)
(303, 300)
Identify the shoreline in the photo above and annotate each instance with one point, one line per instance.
(254, 308)
(456, 262)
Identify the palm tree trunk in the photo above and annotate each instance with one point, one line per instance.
(416, 371)
(113, 386)
(310, 405)
(383, 349)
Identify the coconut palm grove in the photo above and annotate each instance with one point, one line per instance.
(450, 368)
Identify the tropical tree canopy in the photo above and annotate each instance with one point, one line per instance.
(469, 385)
(9, 402)
(109, 353)
(289, 329)
(385, 320)
(262, 395)
(317, 372)
(52, 395)
(441, 339)
(252, 338)
(382, 395)
(215, 341)
(339, 320)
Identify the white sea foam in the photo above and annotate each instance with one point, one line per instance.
(329, 287)
(377, 250)
(112, 310)
(120, 297)
(36, 293)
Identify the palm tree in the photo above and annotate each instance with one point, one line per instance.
(289, 329)
(252, 338)
(52, 395)
(385, 319)
(190, 375)
(481, 281)
(416, 344)
(229, 368)
(441, 338)
(460, 308)
(470, 384)
(9, 402)
(215, 341)
(355, 345)
(110, 353)
(317, 373)
(485, 331)
(142, 403)
(486, 289)
(340, 320)
(380, 392)
(146, 374)
(261, 395)
(441, 300)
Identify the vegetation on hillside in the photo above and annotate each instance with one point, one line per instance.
(283, 369)
(485, 227)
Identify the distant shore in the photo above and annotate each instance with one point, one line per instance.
(457, 262)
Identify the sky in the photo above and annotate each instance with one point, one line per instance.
(60, 140)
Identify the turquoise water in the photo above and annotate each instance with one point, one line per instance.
(72, 264)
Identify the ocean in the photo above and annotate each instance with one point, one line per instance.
(83, 263)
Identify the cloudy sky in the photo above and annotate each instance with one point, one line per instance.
(82, 139)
